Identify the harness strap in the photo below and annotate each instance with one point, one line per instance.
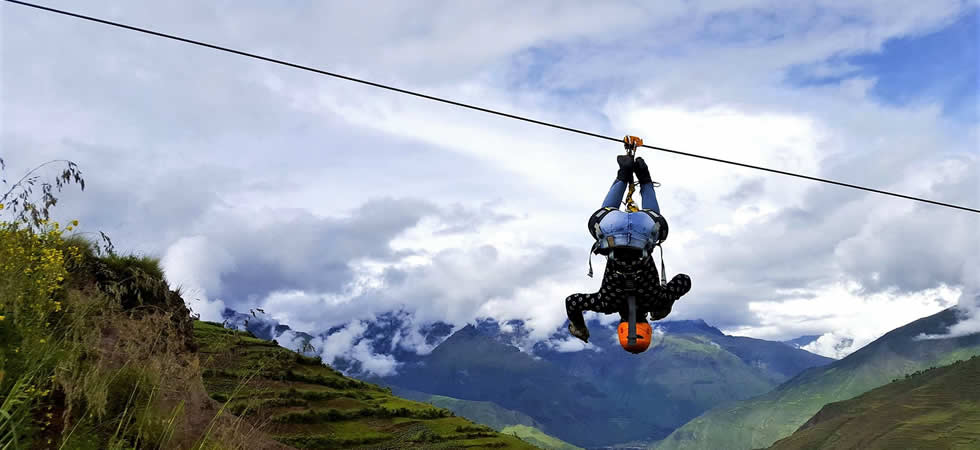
(663, 268)
(596, 218)
(661, 224)
(591, 252)
(631, 327)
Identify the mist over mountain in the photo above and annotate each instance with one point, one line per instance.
(802, 341)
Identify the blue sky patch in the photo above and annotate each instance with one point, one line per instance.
(940, 66)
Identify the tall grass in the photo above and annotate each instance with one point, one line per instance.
(95, 348)
(89, 345)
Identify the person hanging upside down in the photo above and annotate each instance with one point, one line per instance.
(627, 239)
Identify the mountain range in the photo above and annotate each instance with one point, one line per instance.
(594, 397)
(604, 396)
(696, 388)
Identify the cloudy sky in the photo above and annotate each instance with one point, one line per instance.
(326, 202)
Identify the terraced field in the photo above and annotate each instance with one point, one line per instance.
(305, 404)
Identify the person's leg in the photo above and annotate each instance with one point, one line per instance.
(615, 195)
(649, 196)
(676, 287)
(660, 303)
(576, 304)
(646, 186)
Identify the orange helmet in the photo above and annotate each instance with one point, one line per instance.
(643, 335)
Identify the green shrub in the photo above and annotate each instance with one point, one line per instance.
(33, 270)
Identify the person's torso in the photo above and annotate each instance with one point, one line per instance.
(637, 230)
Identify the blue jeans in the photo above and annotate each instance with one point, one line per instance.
(618, 190)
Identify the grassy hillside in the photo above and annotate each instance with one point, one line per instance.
(97, 352)
(760, 421)
(300, 402)
(493, 415)
(935, 409)
(482, 412)
(537, 437)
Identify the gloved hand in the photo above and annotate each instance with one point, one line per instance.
(642, 171)
(581, 333)
(626, 166)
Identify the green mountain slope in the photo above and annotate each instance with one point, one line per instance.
(760, 421)
(470, 366)
(302, 403)
(935, 409)
(482, 412)
(492, 415)
(538, 438)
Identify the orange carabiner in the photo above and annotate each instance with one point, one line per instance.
(631, 143)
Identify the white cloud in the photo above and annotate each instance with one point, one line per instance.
(377, 364)
(195, 265)
(968, 306)
(349, 343)
(411, 339)
(208, 309)
(853, 318)
(295, 342)
(570, 344)
(834, 345)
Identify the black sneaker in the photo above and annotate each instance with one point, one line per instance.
(581, 333)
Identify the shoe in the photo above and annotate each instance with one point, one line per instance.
(581, 333)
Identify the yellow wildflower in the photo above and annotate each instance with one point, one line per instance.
(2, 317)
(74, 223)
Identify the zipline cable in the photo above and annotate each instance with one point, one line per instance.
(476, 108)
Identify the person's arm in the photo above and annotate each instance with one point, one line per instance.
(623, 177)
(647, 192)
